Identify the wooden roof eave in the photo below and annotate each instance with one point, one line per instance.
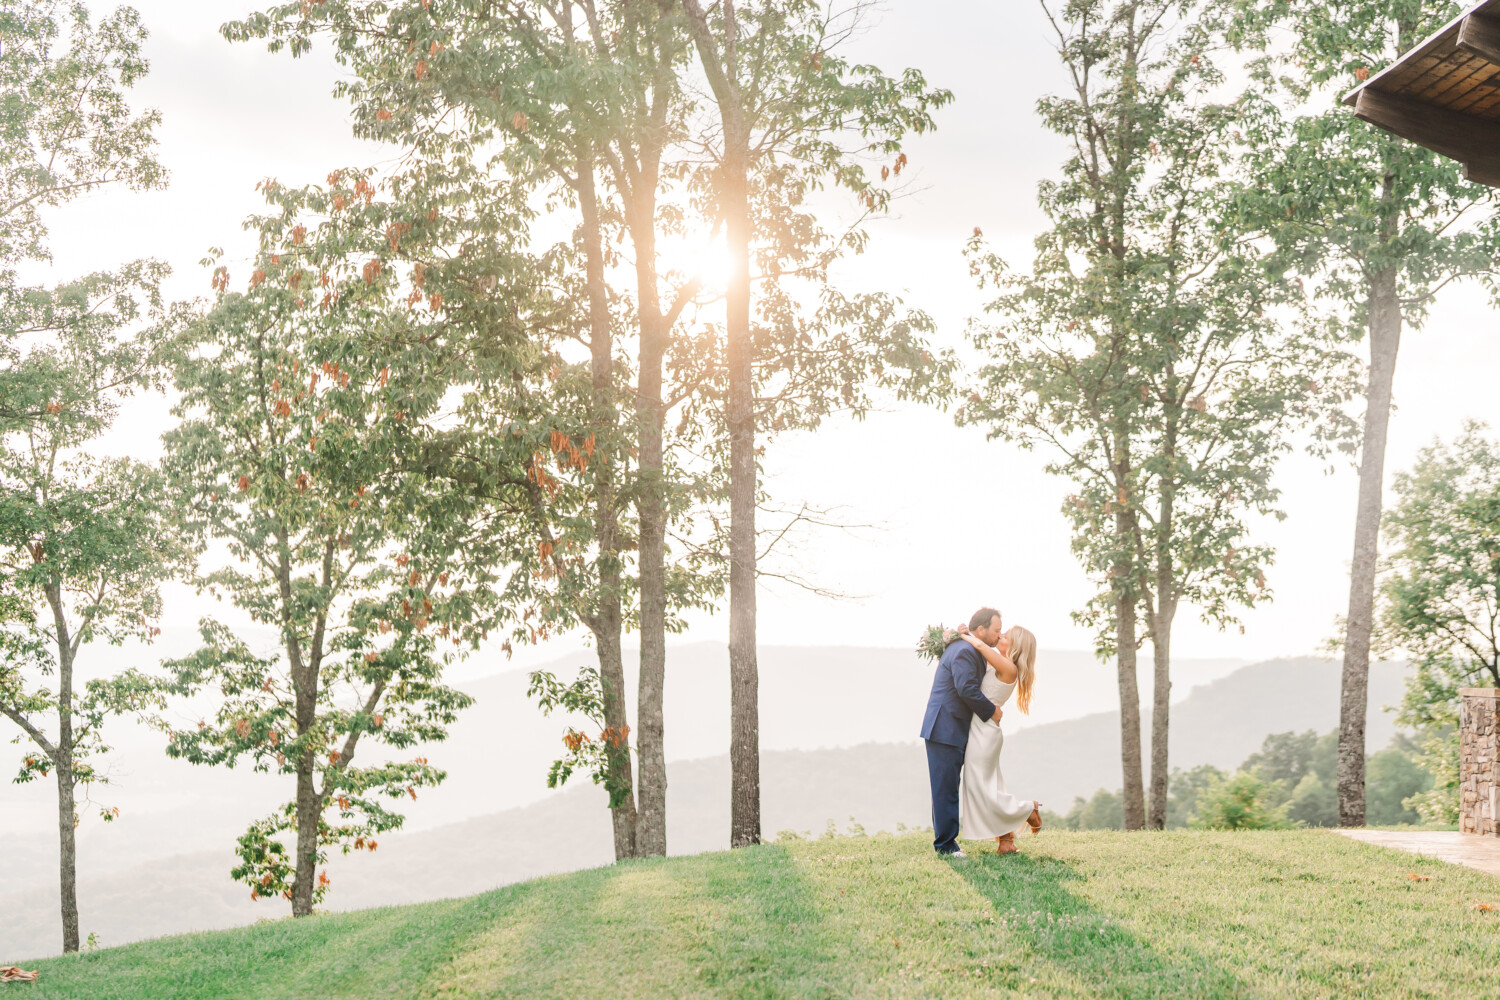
(1391, 99)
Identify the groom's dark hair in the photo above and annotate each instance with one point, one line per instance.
(982, 618)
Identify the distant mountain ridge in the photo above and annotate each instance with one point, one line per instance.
(878, 785)
(811, 697)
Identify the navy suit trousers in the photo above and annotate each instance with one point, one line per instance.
(944, 766)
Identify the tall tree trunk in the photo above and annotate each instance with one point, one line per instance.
(1126, 600)
(1164, 611)
(651, 825)
(309, 808)
(67, 808)
(67, 831)
(639, 188)
(1126, 611)
(62, 760)
(606, 619)
(744, 680)
(1161, 707)
(1385, 339)
(651, 822)
(1130, 710)
(721, 66)
(308, 805)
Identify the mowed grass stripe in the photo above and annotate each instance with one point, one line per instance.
(1283, 914)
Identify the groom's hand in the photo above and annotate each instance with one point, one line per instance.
(996, 717)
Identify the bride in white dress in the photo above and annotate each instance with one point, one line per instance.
(986, 806)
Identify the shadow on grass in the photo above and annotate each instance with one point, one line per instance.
(1035, 907)
(534, 939)
(772, 940)
(742, 925)
(739, 925)
(381, 952)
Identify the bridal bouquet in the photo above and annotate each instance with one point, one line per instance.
(932, 644)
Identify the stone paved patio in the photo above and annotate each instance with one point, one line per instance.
(1469, 849)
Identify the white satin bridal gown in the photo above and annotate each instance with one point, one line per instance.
(986, 808)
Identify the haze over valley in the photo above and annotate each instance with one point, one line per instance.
(163, 866)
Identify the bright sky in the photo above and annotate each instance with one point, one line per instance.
(959, 521)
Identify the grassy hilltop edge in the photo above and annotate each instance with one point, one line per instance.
(1103, 914)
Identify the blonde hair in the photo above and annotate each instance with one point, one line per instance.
(1023, 655)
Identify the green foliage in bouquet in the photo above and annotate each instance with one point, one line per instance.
(932, 644)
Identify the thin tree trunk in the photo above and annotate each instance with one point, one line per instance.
(722, 70)
(1161, 707)
(308, 804)
(309, 808)
(639, 188)
(1130, 710)
(744, 681)
(1164, 612)
(67, 809)
(1126, 597)
(607, 619)
(651, 823)
(1385, 339)
(62, 760)
(612, 678)
(67, 836)
(1125, 658)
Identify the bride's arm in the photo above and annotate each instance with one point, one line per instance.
(1004, 669)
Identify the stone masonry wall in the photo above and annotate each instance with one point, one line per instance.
(1478, 745)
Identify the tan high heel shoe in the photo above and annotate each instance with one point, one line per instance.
(1035, 819)
(1006, 844)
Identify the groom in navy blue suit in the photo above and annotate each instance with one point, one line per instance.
(955, 699)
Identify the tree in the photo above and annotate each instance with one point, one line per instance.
(1238, 802)
(1382, 223)
(68, 131)
(788, 105)
(609, 134)
(305, 402)
(1398, 784)
(1143, 349)
(86, 544)
(1298, 770)
(1284, 757)
(1441, 591)
(1102, 811)
(80, 535)
(1085, 399)
(597, 135)
(1187, 786)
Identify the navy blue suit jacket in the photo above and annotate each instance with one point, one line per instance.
(956, 696)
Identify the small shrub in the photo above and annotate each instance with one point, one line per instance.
(1237, 803)
(1105, 811)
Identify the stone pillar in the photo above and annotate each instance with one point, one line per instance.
(1478, 787)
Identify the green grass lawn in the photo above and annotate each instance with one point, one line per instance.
(1180, 914)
